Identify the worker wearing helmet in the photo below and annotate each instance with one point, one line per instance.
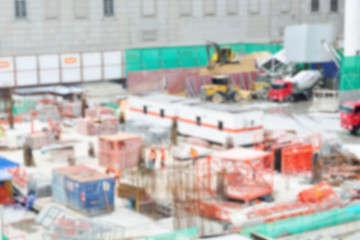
(152, 159)
(194, 155)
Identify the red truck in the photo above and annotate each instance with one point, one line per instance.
(291, 88)
(350, 116)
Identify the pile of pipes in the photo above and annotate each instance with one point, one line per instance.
(335, 164)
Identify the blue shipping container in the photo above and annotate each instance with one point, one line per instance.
(92, 195)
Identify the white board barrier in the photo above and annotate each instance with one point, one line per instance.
(60, 68)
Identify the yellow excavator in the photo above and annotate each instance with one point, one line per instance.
(221, 56)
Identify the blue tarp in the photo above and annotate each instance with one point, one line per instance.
(4, 176)
(5, 164)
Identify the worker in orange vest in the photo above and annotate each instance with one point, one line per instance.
(152, 159)
(162, 158)
(117, 171)
(194, 155)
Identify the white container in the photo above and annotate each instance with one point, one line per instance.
(220, 123)
(157, 109)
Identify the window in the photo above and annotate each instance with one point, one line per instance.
(108, 8)
(232, 7)
(357, 110)
(162, 114)
(185, 7)
(314, 5)
(149, 35)
(81, 8)
(52, 9)
(254, 6)
(198, 121)
(145, 109)
(220, 125)
(209, 7)
(148, 8)
(20, 9)
(334, 6)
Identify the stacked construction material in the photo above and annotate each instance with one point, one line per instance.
(87, 126)
(122, 149)
(39, 139)
(84, 189)
(98, 111)
(109, 125)
(98, 120)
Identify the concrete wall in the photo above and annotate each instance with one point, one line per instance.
(54, 26)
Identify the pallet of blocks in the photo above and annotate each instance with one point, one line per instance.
(109, 125)
(39, 139)
(122, 149)
(87, 126)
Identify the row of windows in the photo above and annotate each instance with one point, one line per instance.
(315, 5)
(148, 7)
(198, 119)
(53, 6)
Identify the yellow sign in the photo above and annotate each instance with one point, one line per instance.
(70, 60)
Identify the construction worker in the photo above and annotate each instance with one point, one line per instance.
(194, 155)
(91, 151)
(116, 171)
(162, 158)
(152, 159)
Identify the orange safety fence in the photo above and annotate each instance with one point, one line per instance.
(297, 159)
(318, 198)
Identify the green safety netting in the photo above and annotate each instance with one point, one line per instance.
(306, 223)
(23, 106)
(184, 234)
(180, 57)
(350, 73)
(4, 238)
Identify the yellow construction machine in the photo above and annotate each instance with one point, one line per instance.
(221, 90)
(221, 55)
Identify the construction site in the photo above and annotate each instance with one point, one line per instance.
(241, 140)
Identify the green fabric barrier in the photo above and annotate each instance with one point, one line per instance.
(184, 234)
(350, 73)
(306, 223)
(23, 107)
(4, 238)
(181, 57)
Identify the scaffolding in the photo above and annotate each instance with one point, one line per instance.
(239, 174)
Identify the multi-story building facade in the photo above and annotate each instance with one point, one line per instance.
(58, 26)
